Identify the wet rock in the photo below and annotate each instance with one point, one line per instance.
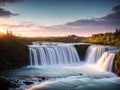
(28, 82)
(42, 78)
(4, 83)
(81, 50)
(14, 83)
(81, 74)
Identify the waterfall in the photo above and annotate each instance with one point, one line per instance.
(106, 61)
(101, 56)
(53, 55)
(59, 54)
(93, 53)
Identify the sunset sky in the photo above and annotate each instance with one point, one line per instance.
(59, 17)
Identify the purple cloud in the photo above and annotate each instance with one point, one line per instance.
(6, 13)
(115, 16)
(111, 19)
(116, 8)
(83, 27)
(9, 1)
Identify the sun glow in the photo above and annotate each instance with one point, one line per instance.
(1, 34)
(2, 31)
(3, 28)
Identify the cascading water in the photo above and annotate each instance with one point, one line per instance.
(81, 77)
(59, 54)
(93, 53)
(53, 55)
(101, 56)
(106, 61)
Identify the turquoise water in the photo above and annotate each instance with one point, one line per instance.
(68, 77)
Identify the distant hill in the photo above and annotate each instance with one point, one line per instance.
(65, 39)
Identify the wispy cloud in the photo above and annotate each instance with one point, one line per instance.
(3, 2)
(6, 13)
(112, 18)
(82, 27)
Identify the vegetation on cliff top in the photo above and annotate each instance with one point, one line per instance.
(13, 52)
(112, 38)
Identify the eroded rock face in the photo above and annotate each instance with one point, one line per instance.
(116, 66)
(81, 50)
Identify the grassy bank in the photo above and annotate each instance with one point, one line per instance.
(13, 52)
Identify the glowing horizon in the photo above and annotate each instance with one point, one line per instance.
(59, 17)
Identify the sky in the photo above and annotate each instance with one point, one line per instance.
(59, 17)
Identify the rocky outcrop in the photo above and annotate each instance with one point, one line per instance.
(81, 50)
(116, 66)
(14, 52)
(4, 83)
